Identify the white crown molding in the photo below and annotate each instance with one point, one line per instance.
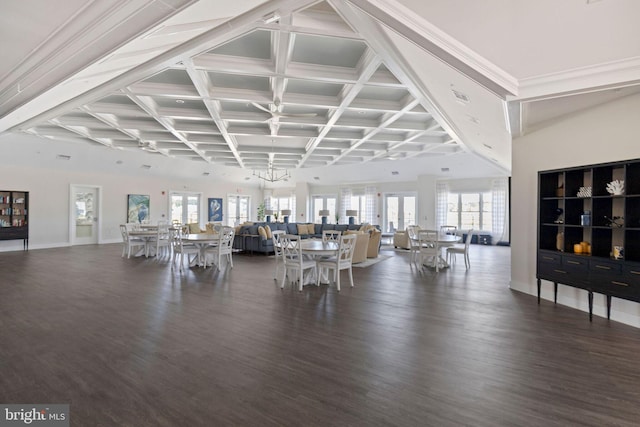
(417, 29)
(580, 80)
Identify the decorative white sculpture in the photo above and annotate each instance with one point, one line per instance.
(615, 187)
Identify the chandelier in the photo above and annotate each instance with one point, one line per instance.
(273, 174)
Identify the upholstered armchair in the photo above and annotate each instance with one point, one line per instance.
(373, 247)
(362, 246)
(401, 240)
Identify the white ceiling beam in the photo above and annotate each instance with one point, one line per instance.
(368, 66)
(203, 86)
(371, 134)
(150, 107)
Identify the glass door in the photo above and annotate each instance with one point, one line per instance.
(85, 215)
(185, 208)
(400, 212)
(237, 209)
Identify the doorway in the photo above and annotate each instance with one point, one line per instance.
(85, 218)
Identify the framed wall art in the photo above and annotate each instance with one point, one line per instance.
(138, 208)
(215, 210)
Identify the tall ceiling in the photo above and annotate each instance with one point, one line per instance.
(348, 90)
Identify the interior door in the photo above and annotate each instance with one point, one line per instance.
(84, 215)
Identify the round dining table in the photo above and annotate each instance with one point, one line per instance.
(148, 236)
(201, 241)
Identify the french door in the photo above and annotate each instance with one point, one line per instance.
(400, 211)
(237, 209)
(185, 207)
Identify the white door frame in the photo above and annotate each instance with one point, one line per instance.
(72, 207)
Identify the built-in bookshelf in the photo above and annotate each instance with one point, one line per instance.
(589, 230)
(14, 216)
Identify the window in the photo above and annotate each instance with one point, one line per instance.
(237, 209)
(470, 210)
(185, 208)
(400, 211)
(278, 204)
(323, 203)
(359, 203)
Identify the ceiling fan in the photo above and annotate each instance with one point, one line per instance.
(148, 146)
(276, 114)
(276, 111)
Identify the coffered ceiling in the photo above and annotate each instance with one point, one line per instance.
(296, 85)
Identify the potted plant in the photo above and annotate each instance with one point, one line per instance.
(261, 212)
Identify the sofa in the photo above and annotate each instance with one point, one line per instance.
(254, 237)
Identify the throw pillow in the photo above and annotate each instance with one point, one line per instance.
(268, 230)
(194, 228)
(262, 232)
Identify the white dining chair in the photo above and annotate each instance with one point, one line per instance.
(463, 250)
(130, 242)
(342, 261)
(429, 249)
(293, 261)
(448, 229)
(414, 244)
(162, 240)
(331, 236)
(222, 249)
(181, 249)
(277, 250)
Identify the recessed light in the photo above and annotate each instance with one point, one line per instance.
(63, 157)
(317, 178)
(205, 173)
(180, 101)
(488, 146)
(444, 169)
(247, 178)
(119, 162)
(395, 173)
(362, 112)
(146, 167)
(474, 119)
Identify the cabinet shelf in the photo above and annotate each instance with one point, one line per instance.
(14, 210)
(598, 271)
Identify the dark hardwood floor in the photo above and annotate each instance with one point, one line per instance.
(129, 342)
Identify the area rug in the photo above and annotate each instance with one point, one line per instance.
(370, 261)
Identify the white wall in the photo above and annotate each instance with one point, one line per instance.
(49, 200)
(606, 133)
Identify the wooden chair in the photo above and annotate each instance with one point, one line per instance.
(429, 249)
(180, 248)
(223, 248)
(342, 261)
(293, 260)
(163, 240)
(277, 250)
(129, 242)
(331, 235)
(463, 250)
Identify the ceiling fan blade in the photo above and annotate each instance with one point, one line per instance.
(260, 107)
(299, 115)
